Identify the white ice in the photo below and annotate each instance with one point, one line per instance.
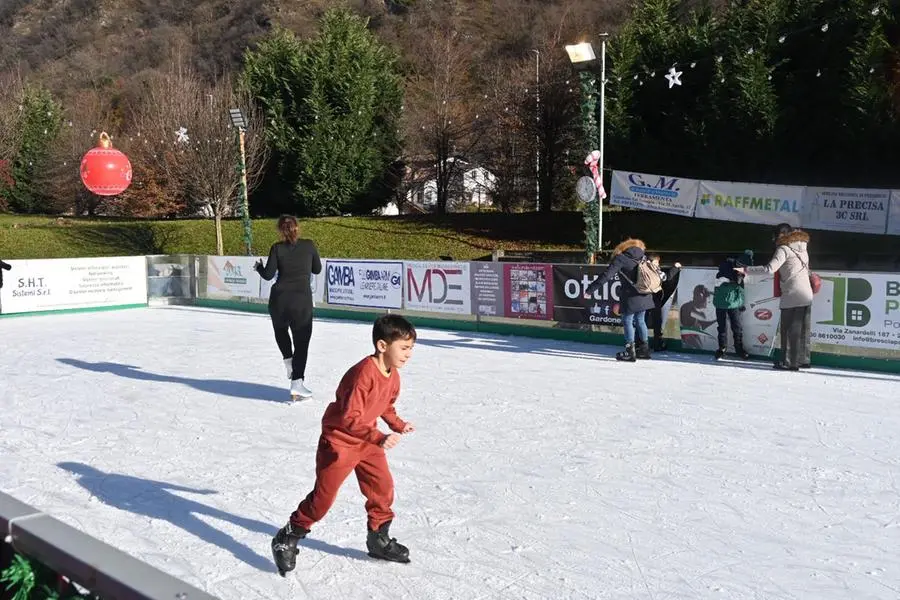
(540, 469)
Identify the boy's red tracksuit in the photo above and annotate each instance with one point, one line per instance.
(350, 441)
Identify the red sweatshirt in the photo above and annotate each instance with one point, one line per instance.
(363, 395)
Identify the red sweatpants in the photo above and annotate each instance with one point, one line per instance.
(334, 462)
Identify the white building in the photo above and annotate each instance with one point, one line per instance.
(471, 188)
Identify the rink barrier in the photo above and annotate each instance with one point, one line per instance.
(64, 311)
(105, 571)
(819, 359)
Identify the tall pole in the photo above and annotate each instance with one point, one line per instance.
(537, 135)
(602, 135)
(245, 206)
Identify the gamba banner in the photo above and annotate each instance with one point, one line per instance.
(60, 284)
(846, 209)
(529, 291)
(232, 276)
(699, 328)
(437, 287)
(861, 310)
(750, 203)
(660, 193)
(364, 283)
(572, 305)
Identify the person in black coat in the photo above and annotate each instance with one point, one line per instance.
(4, 266)
(633, 306)
(290, 301)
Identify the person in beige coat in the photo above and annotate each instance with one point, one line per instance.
(790, 264)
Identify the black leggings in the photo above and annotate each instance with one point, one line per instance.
(301, 332)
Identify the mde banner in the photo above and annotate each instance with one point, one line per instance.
(750, 203)
(232, 276)
(699, 329)
(658, 193)
(861, 310)
(571, 305)
(846, 209)
(59, 284)
(364, 283)
(437, 287)
(529, 291)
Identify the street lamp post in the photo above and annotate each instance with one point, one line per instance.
(537, 136)
(237, 119)
(583, 58)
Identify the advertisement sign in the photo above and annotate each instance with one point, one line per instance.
(699, 328)
(529, 291)
(750, 203)
(861, 310)
(572, 305)
(437, 287)
(364, 283)
(846, 209)
(658, 193)
(232, 276)
(487, 289)
(57, 284)
(893, 227)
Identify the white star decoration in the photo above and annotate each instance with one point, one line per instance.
(181, 136)
(674, 77)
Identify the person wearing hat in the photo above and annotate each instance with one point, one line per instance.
(790, 265)
(728, 298)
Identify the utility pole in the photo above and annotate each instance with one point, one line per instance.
(537, 136)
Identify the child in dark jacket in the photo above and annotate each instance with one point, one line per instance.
(654, 315)
(728, 299)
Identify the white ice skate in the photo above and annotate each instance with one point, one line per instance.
(289, 366)
(299, 391)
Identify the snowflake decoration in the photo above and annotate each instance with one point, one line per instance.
(181, 136)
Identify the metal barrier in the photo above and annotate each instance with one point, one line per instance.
(105, 571)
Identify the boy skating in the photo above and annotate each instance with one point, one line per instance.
(351, 441)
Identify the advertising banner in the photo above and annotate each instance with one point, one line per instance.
(529, 291)
(750, 203)
(893, 226)
(658, 193)
(438, 287)
(699, 329)
(861, 310)
(572, 305)
(487, 288)
(364, 283)
(232, 276)
(58, 284)
(846, 209)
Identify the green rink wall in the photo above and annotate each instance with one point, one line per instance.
(819, 359)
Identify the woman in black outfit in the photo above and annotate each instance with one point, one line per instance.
(290, 302)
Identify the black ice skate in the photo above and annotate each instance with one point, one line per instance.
(743, 354)
(627, 355)
(284, 547)
(642, 351)
(382, 546)
(720, 353)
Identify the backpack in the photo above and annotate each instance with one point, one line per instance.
(648, 279)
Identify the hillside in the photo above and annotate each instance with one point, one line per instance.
(71, 44)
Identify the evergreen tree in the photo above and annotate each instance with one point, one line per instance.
(332, 105)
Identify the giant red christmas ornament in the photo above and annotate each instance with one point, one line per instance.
(104, 170)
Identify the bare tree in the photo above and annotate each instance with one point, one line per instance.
(12, 93)
(442, 120)
(193, 144)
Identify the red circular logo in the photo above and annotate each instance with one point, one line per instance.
(763, 314)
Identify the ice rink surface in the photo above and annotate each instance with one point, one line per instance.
(540, 469)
